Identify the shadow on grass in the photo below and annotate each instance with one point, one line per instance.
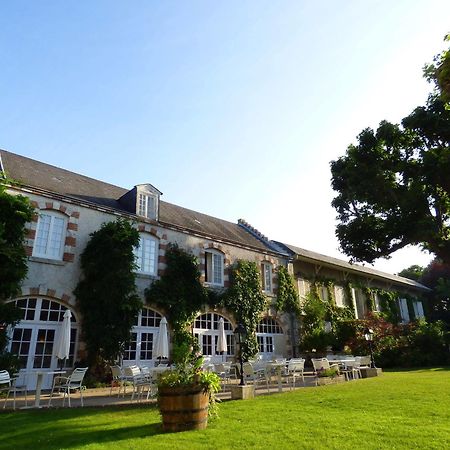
(75, 428)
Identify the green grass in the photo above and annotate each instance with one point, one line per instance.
(407, 410)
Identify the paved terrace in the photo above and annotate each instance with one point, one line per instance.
(99, 397)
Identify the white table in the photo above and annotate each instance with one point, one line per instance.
(40, 377)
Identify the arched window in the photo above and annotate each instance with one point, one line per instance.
(143, 338)
(268, 334)
(50, 235)
(33, 338)
(147, 254)
(206, 330)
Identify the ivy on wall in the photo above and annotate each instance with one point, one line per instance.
(107, 295)
(246, 301)
(287, 296)
(179, 292)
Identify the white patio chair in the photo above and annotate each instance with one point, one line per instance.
(71, 383)
(134, 375)
(353, 367)
(11, 386)
(295, 370)
(118, 379)
(255, 376)
(322, 364)
(364, 361)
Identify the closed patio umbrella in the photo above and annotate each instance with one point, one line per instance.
(162, 343)
(222, 339)
(63, 342)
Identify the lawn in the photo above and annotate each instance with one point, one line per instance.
(405, 409)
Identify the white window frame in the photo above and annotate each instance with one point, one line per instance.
(339, 296)
(267, 275)
(140, 254)
(360, 302)
(418, 310)
(211, 272)
(54, 217)
(48, 329)
(206, 330)
(267, 330)
(137, 331)
(303, 288)
(146, 205)
(403, 307)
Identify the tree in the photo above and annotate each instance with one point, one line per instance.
(436, 276)
(439, 73)
(413, 272)
(107, 293)
(180, 292)
(15, 212)
(393, 187)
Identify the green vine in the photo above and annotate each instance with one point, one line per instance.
(287, 297)
(107, 295)
(180, 293)
(246, 300)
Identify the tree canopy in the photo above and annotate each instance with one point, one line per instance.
(394, 187)
(107, 294)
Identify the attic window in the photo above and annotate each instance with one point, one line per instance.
(147, 206)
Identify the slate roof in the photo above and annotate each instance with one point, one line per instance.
(36, 174)
(310, 256)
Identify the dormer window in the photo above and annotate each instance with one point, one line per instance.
(146, 206)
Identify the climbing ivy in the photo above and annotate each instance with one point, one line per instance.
(287, 296)
(107, 293)
(179, 292)
(246, 300)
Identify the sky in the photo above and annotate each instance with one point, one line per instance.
(233, 109)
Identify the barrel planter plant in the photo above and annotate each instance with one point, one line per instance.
(186, 394)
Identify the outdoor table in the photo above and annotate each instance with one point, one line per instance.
(277, 368)
(39, 378)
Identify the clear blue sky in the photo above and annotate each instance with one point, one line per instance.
(234, 108)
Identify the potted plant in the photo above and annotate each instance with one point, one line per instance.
(327, 376)
(187, 393)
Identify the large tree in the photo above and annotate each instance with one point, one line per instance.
(15, 212)
(394, 187)
(107, 293)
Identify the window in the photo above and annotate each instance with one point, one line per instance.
(303, 288)
(143, 338)
(33, 338)
(214, 267)
(339, 295)
(206, 330)
(360, 303)
(146, 254)
(266, 270)
(418, 310)
(147, 206)
(377, 303)
(50, 236)
(404, 313)
(268, 334)
(323, 292)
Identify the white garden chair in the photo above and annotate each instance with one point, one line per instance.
(67, 384)
(10, 386)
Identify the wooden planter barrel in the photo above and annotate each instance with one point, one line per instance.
(183, 408)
